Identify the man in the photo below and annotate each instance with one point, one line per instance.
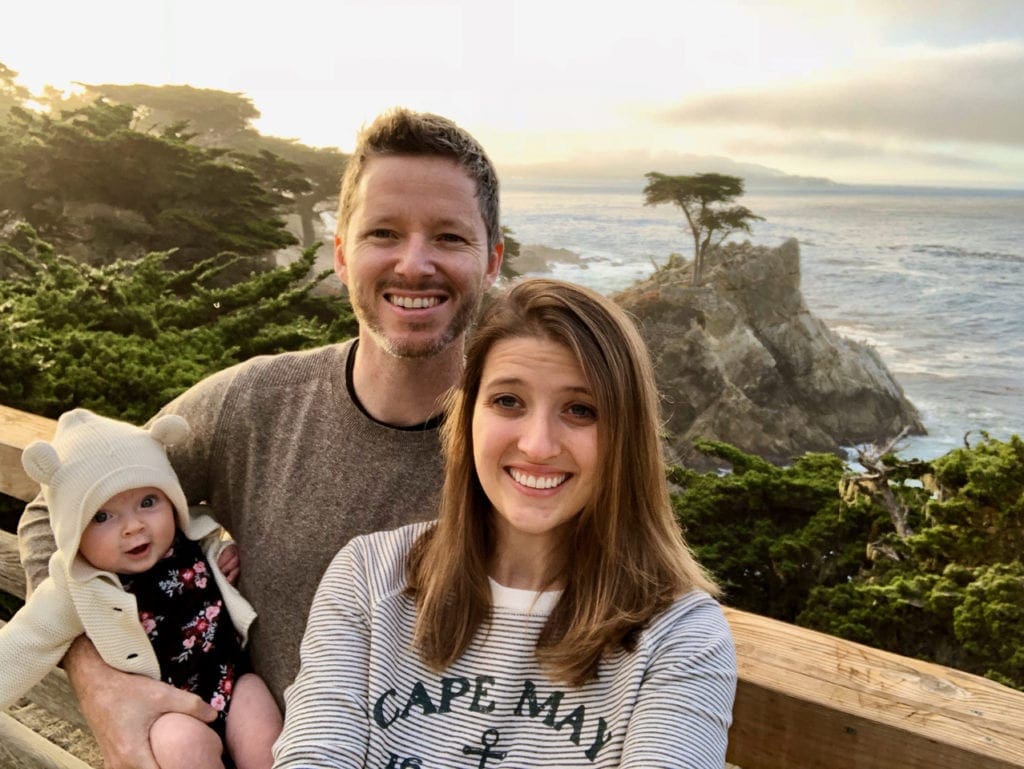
(299, 452)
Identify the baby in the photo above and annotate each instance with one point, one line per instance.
(139, 575)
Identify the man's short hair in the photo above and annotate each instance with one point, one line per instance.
(401, 131)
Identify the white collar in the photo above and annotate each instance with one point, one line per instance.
(538, 602)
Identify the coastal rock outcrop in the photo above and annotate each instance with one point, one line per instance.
(535, 258)
(741, 359)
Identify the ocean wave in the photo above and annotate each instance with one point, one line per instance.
(956, 252)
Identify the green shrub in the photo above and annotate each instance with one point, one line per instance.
(794, 543)
(126, 337)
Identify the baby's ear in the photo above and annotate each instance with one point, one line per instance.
(169, 429)
(40, 461)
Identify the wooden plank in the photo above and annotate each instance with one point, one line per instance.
(811, 700)
(12, 576)
(54, 693)
(22, 748)
(17, 430)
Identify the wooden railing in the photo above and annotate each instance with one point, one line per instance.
(805, 700)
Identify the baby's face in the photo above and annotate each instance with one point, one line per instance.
(130, 532)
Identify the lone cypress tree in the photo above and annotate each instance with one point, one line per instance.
(704, 199)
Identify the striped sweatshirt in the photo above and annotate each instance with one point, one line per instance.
(363, 698)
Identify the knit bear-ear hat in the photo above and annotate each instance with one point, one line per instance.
(93, 458)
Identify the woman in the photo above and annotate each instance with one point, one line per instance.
(553, 615)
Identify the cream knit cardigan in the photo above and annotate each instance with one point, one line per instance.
(78, 598)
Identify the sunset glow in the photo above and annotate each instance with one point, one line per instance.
(861, 92)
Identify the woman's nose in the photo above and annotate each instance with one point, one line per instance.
(539, 438)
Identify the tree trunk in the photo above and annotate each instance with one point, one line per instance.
(304, 207)
(698, 262)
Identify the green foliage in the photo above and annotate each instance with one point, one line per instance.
(804, 544)
(11, 93)
(315, 179)
(126, 337)
(771, 534)
(214, 115)
(980, 506)
(96, 188)
(989, 620)
(512, 249)
(302, 179)
(703, 199)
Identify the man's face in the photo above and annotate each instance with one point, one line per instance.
(414, 254)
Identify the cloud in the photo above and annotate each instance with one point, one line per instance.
(983, 20)
(971, 94)
(820, 147)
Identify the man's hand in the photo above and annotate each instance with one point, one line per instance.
(121, 707)
(228, 562)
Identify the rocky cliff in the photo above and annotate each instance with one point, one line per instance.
(742, 360)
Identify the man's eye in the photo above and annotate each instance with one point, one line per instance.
(101, 516)
(381, 233)
(451, 237)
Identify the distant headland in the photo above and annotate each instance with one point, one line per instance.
(633, 165)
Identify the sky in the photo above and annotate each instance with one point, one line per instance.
(915, 92)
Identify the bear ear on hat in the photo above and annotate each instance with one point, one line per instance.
(40, 461)
(169, 429)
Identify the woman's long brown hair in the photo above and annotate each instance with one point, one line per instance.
(625, 559)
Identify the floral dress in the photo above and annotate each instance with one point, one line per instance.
(183, 613)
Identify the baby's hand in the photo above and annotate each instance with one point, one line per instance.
(228, 562)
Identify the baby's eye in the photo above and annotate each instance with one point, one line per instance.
(149, 500)
(101, 516)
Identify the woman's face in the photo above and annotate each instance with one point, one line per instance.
(534, 437)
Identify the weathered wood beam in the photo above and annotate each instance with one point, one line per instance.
(12, 577)
(17, 430)
(22, 748)
(54, 694)
(811, 700)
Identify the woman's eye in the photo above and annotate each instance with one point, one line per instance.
(582, 411)
(505, 401)
(101, 516)
(381, 234)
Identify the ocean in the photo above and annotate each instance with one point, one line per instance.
(933, 279)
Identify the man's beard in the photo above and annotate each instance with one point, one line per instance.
(400, 346)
